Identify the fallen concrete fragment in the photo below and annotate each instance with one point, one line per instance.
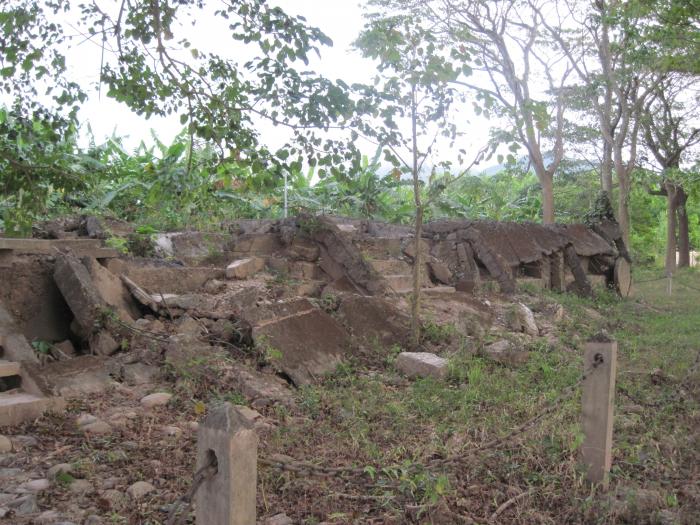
(526, 319)
(111, 290)
(76, 285)
(304, 345)
(422, 364)
(505, 353)
(244, 268)
(374, 321)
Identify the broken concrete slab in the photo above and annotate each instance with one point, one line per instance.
(422, 364)
(306, 344)
(244, 268)
(75, 377)
(111, 290)
(304, 250)
(261, 389)
(83, 298)
(440, 272)
(373, 320)
(506, 353)
(102, 343)
(34, 301)
(13, 344)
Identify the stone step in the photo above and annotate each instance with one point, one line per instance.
(9, 368)
(20, 407)
(391, 266)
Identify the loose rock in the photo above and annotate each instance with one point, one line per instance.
(34, 486)
(139, 490)
(5, 444)
(422, 364)
(61, 468)
(156, 399)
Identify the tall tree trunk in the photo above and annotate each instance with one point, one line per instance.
(606, 169)
(683, 235)
(623, 208)
(671, 201)
(418, 230)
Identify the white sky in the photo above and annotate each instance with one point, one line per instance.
(342, 20)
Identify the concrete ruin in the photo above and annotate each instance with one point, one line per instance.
(332, 286)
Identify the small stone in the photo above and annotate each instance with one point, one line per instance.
(139, 490)
(6, 498)
(278, 519)
(33, 486)
(85, 419)
(81, 486)
(193, 426)
(25, 505)
(116, 498)
(214, 286)
(48, 517)
(5, 444)
(93, 520)
(4, 512)
(64, 350)
(24, 442)
(189, 326)
(139, 373)
(61, 468)
(171, 431)
(109, 483)
(102, 343)
(422, 364)
(157, 399)
(97, 428)
(6, 473)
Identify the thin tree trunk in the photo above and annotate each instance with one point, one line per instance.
(418, 230)
(683, 235)
(547, 198)
(670, 228)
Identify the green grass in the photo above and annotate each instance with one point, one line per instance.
(366, 417)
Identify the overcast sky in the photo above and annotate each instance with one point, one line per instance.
(342, 20)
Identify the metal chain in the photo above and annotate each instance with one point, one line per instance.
(205, 472)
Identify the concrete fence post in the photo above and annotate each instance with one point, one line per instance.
(228, 497)
(600, 364)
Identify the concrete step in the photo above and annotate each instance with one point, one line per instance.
(19, 407)
(79, 247)
(9, 368)
(391, 266)
(380, 247)
(433, 291)
(400, 283)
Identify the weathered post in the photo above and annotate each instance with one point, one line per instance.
(228, 497)
(600, 363)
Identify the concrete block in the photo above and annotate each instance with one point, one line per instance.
(244, 268)
(227, 497)
(76, 285)
(422, 364)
